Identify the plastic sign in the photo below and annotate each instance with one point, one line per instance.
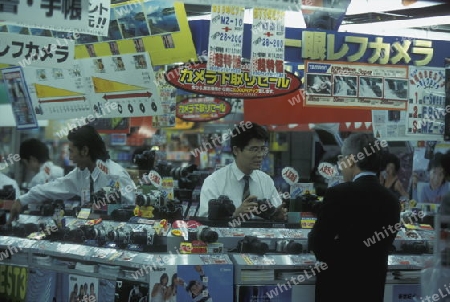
(290, 175)
(154, 178)
(196, 78)
(327, 170)
(202, 109)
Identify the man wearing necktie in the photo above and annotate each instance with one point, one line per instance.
(243, 181)
(94, 171)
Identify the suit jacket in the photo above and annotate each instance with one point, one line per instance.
(358, 221)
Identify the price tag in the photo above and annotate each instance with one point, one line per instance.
(406, 292)
(290, 175)
(155, 178)
(84, 213)
(327, 170)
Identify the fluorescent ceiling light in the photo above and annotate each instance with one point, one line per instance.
(374, 6)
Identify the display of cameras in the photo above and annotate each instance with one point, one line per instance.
(251, 244)
(142, 236)
(289, 247)
(220, 208)
(153, 198)
(120, 236)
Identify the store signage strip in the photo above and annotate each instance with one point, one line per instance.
(79, 16)
(291, 5)
(24, 50)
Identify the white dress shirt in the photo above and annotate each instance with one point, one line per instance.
(105, 174)
(6, 181)
(229, 181)
(47, 173)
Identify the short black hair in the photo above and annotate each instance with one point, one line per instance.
(390, 158)
(87, 136)
(437, 161)
(190, 284)
(36, 148)
(241, 134)
(445, 162)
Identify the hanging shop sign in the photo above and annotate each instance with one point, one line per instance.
(196, 78)
(19, 98)
(225, 38)
(24, 50)
(81, 16)
(267, 55)
(202, 109)
(290, 5)
(346, 85)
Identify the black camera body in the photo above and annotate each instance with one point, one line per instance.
(289, 247)
(206, 234)
(265, 209)
(8, 193)
(251, 244)
(220, 208)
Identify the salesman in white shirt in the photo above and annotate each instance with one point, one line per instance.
(35, 155)
(249, 148)
(88, 151)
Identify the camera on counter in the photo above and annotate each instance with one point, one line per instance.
(206, 234)
(220, 208)
(153, 198)
(8, 193)
(265, 209)
(251, 244)
(146, 160)
(289, 247)
(102, 197)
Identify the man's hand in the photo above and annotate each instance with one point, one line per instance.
(247, 206)
(280, 214)
(16, 208)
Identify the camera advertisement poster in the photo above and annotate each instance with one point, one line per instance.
(356, 85)
(83, 289)
(207, 283)
(127, 290)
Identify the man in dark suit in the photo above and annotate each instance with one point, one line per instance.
(356, 227)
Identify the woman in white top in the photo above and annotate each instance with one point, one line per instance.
(159, 289)
(171, 293)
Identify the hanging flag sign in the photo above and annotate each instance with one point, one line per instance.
(225, 38)
(19, 98)
(267, 55)
(24, 50)
(80, 16)
(195, 78)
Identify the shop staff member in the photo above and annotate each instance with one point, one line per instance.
(359, 219)
(94, 171)
(35, 155)
(242, 181)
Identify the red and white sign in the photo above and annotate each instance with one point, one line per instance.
(327, 170)
(290, 175)
(154, 178)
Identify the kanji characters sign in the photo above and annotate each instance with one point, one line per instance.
(23, 50)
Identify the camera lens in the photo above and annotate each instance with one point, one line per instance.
(259, 247)
(294, 248)
(208, 236)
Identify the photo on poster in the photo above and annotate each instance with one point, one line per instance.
(139, 45)
(15, 29)
(396, 89)
(370, 87)
(161, 17)
(41, 32)
(113, 29)
(209, 283)
(83, 288)
(132, 21)
(131, 291)
(114, 48)
(345, 86)
(120, 65)
(318, 84)
(164, 285)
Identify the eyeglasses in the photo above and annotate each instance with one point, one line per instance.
(257, 149)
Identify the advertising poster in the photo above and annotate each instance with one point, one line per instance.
(125, 82)
(24, 50)
(209, 283)
(225, 38)
(389, 124)
(164, 284)
(167, 95)
(127, 290)
(14, 283)
(348, 85)
(267, 54)
(58, 93)
(90, 17)
(19, 98)
(426, 106)
(83, 289)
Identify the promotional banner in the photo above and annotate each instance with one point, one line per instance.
(23, 50)
(167, 95)
(389, 124)
(196, 78)
(339, 84)
(13, 282)
(82, 16)
(279, 4)
(225, 38)
(19, 98)
(267, 55)
(126, 81)
(202, 109)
